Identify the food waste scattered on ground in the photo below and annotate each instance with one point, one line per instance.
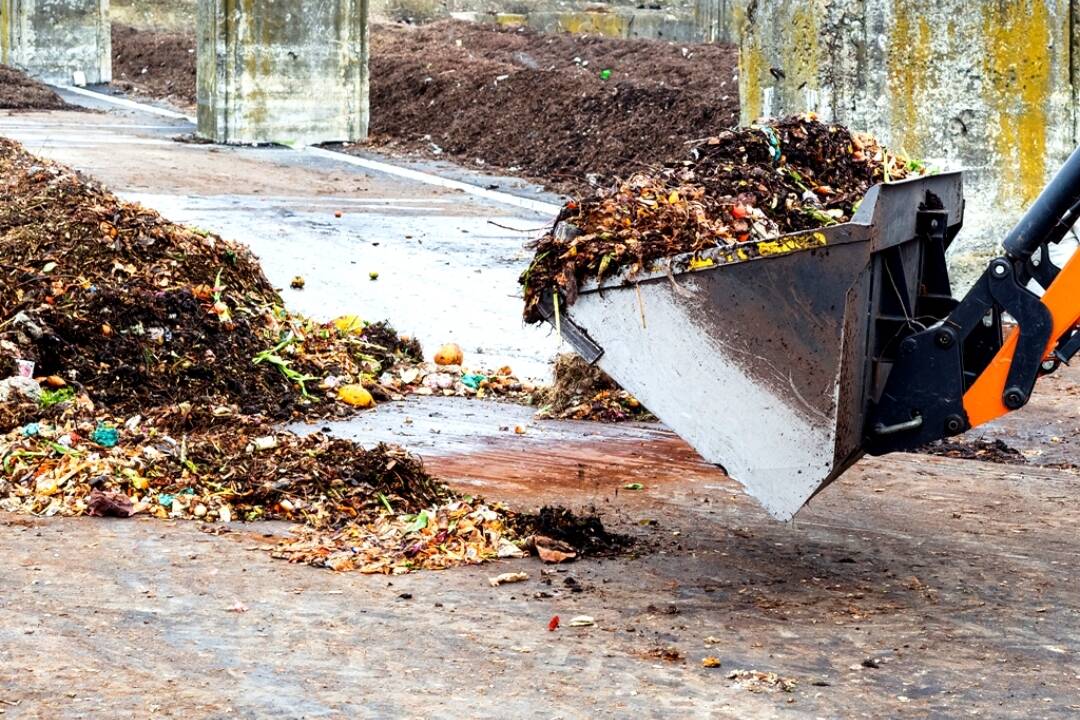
(740, 186)
(145, 363)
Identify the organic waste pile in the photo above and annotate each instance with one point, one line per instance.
(585, 392)
(740, 186)
(19, 91)
(115, 305)
(155, 64)
(995, 451)
(145, 362)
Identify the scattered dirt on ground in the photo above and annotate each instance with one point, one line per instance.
(585, 392)
(538, 103)
(19, 91)
(154, 64)
(995, 451)
(741, 186)
(523, 102)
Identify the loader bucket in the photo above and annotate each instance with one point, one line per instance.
(762, 356)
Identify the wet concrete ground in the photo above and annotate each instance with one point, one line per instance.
(915, 586)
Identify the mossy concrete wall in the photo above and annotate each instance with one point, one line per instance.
(57, 40)
(674, 20)
(282, 71)
(982, 86)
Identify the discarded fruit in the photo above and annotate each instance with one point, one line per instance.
(356, 395)
(449, 354)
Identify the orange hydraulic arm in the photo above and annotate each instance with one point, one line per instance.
(983, 400)
(959, 372)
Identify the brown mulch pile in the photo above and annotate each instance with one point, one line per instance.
(537, 104)
(155, 64)
(516, 100)
(19, 91)
(738, 186)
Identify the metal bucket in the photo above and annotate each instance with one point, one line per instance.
(765, 356)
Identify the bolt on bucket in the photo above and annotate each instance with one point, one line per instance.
(762, 355)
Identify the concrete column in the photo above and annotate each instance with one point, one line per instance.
(285, 71)
(983, 86)
(57, 41)
(713, 20)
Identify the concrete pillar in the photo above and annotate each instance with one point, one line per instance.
(57, 41)
(983, 86)
(713, 20)
(285, 71)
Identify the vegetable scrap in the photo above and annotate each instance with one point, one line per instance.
(507, 578)
(585, 392)
(742, 185)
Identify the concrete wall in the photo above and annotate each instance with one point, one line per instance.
(55, 39)
(168, 15)
(675, 20)
(284, 71)
(981, 86)
(612, 22)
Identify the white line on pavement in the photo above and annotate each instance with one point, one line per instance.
(125, 103)
(429, 179)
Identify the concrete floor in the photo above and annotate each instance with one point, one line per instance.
(951, 579)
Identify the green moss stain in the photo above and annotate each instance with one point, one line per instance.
(802, 57)
(799, 55)
(5, 32)
(751, 63)
(909, 74)
(1017, 77)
